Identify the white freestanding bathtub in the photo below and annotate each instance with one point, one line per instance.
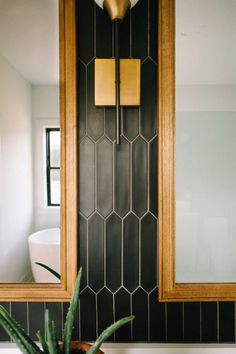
(44, 247)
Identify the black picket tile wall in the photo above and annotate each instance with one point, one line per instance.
(226, 318)
(118, 204)
(192, 322)
(209, 322)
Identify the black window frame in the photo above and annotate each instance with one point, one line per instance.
(49, 167)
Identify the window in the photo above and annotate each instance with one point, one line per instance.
(53, 166)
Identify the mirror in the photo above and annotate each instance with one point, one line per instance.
(197, 121)
(38, 208)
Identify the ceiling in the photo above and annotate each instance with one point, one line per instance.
(206, 42)
(29, 38)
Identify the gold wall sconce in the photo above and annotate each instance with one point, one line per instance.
(117, 81)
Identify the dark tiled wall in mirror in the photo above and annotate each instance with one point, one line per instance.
(118, 204)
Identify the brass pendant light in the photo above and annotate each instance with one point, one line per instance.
(116, 8)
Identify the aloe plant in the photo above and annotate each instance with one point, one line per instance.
(50, 345)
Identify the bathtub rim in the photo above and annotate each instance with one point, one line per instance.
(32, 240)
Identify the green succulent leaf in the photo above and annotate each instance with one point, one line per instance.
(57, 275)
(53, 347)
(108, 332)
(23, 341)
(71, 315)
(42, 342)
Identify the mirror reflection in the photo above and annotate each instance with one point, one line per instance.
(29, 140)
(205, 141)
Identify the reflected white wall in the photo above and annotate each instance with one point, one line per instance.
(206, 184)
(45, 109)
(16, 177)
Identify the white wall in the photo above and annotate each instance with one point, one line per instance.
(205, 183)
(206, 98)
(16, 179)
(45, 109)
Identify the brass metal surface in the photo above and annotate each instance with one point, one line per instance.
(116, 8)
(105, 82)
(130, 82)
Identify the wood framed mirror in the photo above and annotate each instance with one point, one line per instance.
(59, 165)
(197, 77)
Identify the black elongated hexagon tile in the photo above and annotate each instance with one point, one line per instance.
(153, 13)
(113, 252)
(153, 193)
(122, 309)
(192, 322)
(87, 177)
(131, 122)
(124, 37)
(140, 311)
(139, 177)
(139, 14)
(131, 252)
(110, 123)
(85, 25)
(81, 79)
(148, 252)
(149, 99)
(209, 322)
(226, 322)
(103, 34)
(105, 310)
(122, 177)
(104, 176)
(95, 115)
(82, 250)
(36, 318)
(175, 322)
(157, 318)
(88, 315)
(96, 252)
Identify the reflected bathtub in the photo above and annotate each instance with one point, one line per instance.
(44, 247)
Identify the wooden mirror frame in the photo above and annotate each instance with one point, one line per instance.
(68, 211)
(169, 290)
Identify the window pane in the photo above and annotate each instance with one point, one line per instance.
(55, 186)
(55, 148)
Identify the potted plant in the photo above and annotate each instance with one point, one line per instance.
(51, 345)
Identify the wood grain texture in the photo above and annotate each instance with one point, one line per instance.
(169, 290)
(62, 291)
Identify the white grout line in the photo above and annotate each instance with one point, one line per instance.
(27, 317)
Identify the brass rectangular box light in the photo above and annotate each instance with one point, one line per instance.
(105, 82)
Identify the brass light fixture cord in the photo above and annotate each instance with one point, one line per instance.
(117, 10)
